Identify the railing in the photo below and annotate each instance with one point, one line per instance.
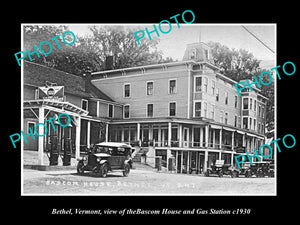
(186, 144)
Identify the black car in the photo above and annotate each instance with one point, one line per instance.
(106, 157)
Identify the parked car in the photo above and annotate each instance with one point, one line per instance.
(221, 169)
(106, 157)
(261, 169)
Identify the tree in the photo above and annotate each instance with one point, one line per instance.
(240, 65)
(235, 64)
(89, 53)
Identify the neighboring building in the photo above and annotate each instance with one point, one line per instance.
(89, 108)
(185, 109)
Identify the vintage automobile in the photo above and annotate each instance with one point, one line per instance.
(221, 169)
(245, 169)
(260, 169)
(106, 157)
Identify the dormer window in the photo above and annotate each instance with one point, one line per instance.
(193, 54)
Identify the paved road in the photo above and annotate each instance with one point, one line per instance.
(141, 182)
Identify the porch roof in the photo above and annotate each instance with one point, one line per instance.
(56, 104)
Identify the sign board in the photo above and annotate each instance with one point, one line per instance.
(52, 93)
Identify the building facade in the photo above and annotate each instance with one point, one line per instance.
(90, 110)
(183, 110)
(187, 110)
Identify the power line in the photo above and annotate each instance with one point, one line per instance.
(258, 39)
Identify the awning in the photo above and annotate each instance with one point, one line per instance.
(240, 132)
(216, 126)
(229, 129)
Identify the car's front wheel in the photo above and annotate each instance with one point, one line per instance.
(126, 170)
(80, 169)
(103, 170)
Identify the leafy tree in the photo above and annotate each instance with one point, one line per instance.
(89, 53)
(240, 65)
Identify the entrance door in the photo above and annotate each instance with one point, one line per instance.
(185, 137)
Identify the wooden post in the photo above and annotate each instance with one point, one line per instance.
(41, 138)
(77, 138)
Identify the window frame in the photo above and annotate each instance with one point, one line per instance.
(124, 90)
(169, 86)
(147, 112)
(174, 109)
(148, 82)
(127, 105)
(87, 104)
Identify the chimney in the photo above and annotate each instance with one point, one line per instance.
(87, 81)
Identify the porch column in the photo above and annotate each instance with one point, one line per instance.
(206, 135)
(88, 135)
(41, 138)
(169, 133)
(77, 138)
(180, 135)
(214, 138)
(181, 162)
(205, 160)
(201, 136)
(232, 140)
(138, 125)
(122, 134)
(231, 159)
(159, 137)
(106, 132)
(220, 138)
(188, 163)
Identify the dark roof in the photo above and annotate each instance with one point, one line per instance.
(37, 75)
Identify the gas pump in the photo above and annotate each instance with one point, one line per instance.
(67, 144)
(54, 153)
(67, 152)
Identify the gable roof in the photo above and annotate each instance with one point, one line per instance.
(37, 75)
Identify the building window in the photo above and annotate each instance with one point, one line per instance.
(226, 118)
(254, 105)
(221, 116)
(259, 110)
(262, 111)
(213, 86)
(217, 94)
(126, 111)
(197, 109)
(235, 101)
(251, 103)
(262, 129)
(245, 123)
(126, 90)
(193, 54)
(30, 125)
(198, 83)
(172, 109)
(259, 127)
(254, 124)
(250, 123)
(226, 98)
(245, 103)
(172, 86)
(84, 104)
(110, 110)
(150, 88)
(149, 110)
(235, 120)
(205, 82)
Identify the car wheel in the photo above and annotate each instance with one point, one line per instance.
(103, 170)
(126, 170)
(221, 173)
(206, 173)
(80, 169)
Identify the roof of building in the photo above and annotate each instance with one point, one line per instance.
(37, 75)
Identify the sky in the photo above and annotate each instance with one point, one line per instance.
(173, 44)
